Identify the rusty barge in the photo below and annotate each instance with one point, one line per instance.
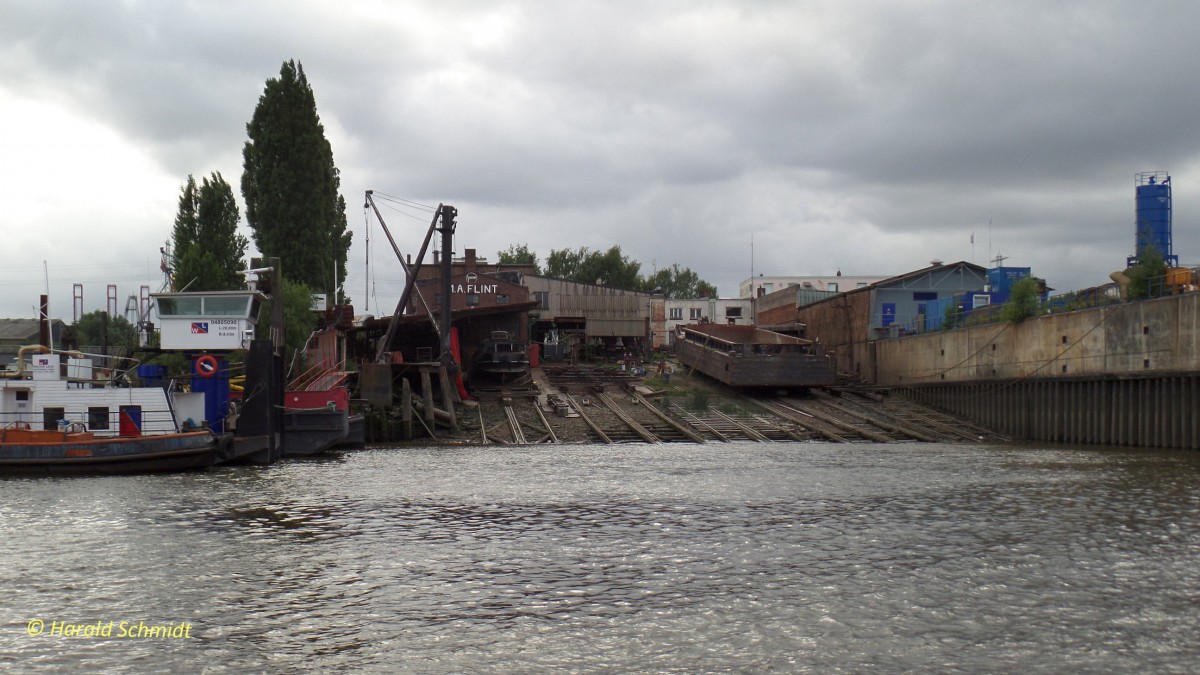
(749, 357)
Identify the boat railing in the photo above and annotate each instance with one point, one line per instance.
(741, 348)
(319, 377)
(102, 423)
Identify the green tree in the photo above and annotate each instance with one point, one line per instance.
(1150, 266)
(208, 250)
(97, 328)
(291, 186)
(610, 268)
(679, 284)
(519, 255)
(299, 321)
(564, 263)
(1022, 300)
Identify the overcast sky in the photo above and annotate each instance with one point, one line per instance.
(732, 137)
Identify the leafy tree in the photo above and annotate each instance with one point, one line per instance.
(592, 267)
(679, 284)
(1150, 265)
(290, 185)
(519, 255)
(299, 320)
(208, 249)
(611, 268)
(564, 263)
(1022, 300)
(91, 330)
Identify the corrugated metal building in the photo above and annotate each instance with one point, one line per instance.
(847, 324)
(605, 317)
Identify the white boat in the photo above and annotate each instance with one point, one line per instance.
(44, 394)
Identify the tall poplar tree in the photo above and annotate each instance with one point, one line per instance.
(291, 186)
(207, 248)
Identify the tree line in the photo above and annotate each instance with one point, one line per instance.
(610, 268)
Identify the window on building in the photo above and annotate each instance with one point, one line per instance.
(677, 313)
(733, 312)
(543, 298)
(472, 299)
(51, 416)
(695, 313)
(97, 418)
(832, 287)
(502, 298)
(924, 296)
(861, 284)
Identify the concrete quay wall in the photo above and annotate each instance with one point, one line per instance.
(1123, 375)
(1138, 338)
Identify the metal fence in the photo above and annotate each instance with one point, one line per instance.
(1177, 281)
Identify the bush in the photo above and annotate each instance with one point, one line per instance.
(1022, 302)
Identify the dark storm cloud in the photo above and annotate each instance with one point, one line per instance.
(867, 137)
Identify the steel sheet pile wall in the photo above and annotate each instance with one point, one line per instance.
(1146, 412)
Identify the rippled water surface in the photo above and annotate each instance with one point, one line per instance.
(672, 558)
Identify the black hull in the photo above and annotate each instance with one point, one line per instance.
(311, 432)
(356, 437)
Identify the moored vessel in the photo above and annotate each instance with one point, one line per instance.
(748, 357)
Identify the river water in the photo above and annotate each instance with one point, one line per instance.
(798, 557)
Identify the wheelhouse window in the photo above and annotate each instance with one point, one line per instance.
(97, 418)
(51, 416)
(180, 306)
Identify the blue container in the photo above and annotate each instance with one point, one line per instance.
(152, 376)
(1001, 279)
(216, 394)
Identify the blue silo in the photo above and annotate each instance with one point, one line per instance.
(1152, 216)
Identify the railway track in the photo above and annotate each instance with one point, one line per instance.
(594, 405)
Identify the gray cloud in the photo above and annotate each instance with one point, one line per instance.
(866, 137)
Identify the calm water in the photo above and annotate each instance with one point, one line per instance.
(671, 558)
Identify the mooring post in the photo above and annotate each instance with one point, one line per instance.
(448, 394)
(427, 396)
(406, 410)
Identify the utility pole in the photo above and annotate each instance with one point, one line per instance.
(447, 231)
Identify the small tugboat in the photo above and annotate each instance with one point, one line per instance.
(65, 422)
(74, 451)
(316, 405)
